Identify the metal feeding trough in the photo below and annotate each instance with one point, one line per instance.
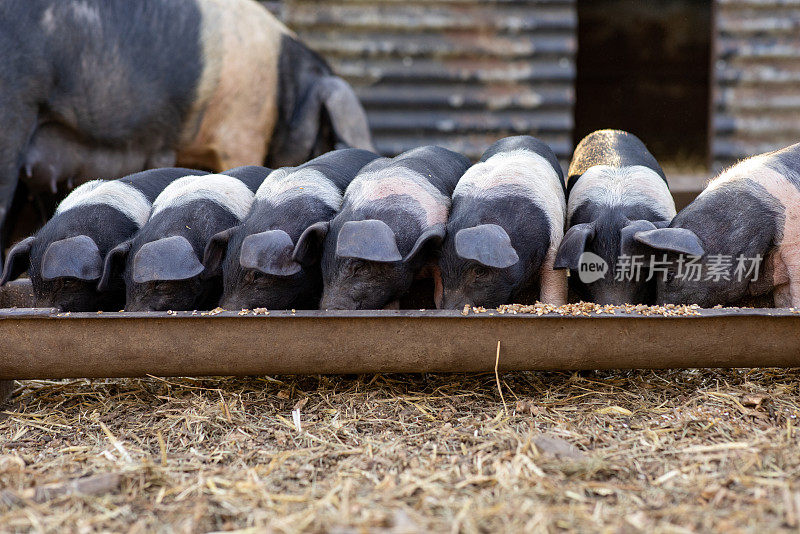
(41, 343)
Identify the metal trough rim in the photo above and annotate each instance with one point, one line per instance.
(39, 343)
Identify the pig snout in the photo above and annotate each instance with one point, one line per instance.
(355, 299)
(338, 302)
(618, 294)
(238, 301)
(232, 303)
(455, 300)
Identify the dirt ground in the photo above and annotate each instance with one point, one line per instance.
(629, 451)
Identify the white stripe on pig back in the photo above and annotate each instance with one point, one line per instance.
(283, 185)
(752, 168)
(226, 191)
(431, 206)
(518, 173)
(118, 195)
(622, 186)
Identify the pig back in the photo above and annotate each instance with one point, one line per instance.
(439, 166)
(340, 166)
(529, 143)
(250, 175)
(153, 181)
(613, 148)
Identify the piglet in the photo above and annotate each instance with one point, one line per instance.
(390, 226)
(65, 258)
(162, 265)
(615, 189)
(272, 259)
(505, 226)
(738, 240)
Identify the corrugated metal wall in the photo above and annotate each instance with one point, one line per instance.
(458, 73)
(756, 97)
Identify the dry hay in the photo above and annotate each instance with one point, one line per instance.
(660, 451)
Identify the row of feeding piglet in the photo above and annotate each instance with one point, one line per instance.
(352, 230)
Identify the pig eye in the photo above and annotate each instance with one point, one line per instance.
(161, 286)
(358, 267)
(481, 272)
(253, 276)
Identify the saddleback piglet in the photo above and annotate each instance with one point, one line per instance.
(615, 189)
(738, 240)
(64, 259)
(162, 265)
(505, 226)
(272, 259)
(390, 227)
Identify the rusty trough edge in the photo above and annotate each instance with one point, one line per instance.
(42, 344)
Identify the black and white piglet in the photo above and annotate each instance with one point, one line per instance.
(391, 224)
(615, 189)
(738, 240)
(272, 259)
(65, 258)
(162, 265)
(506, 224)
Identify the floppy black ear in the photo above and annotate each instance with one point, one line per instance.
(371, 240)
(114, 264)
(679, 240)
(573, 245)
(18, 260)
(216, 250)
(269, 252)
(166, 259)
(488, 244)
(431, 237)
(334, 97)
(348, 118)
(627, 244)
(308, 249)
(74, 257)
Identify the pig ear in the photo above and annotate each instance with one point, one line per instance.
(330, 96)
(74, 257)
(167, 259)
(309, 244)
(269, 252)
(18, 259)
(488, 244)
(627, 244)
(678, 240)
(573, 245)
(370, 240)
(216, 250)
(431, 237)
(114, 264)
(347, 116)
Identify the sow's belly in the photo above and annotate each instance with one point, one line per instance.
(58, 155)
